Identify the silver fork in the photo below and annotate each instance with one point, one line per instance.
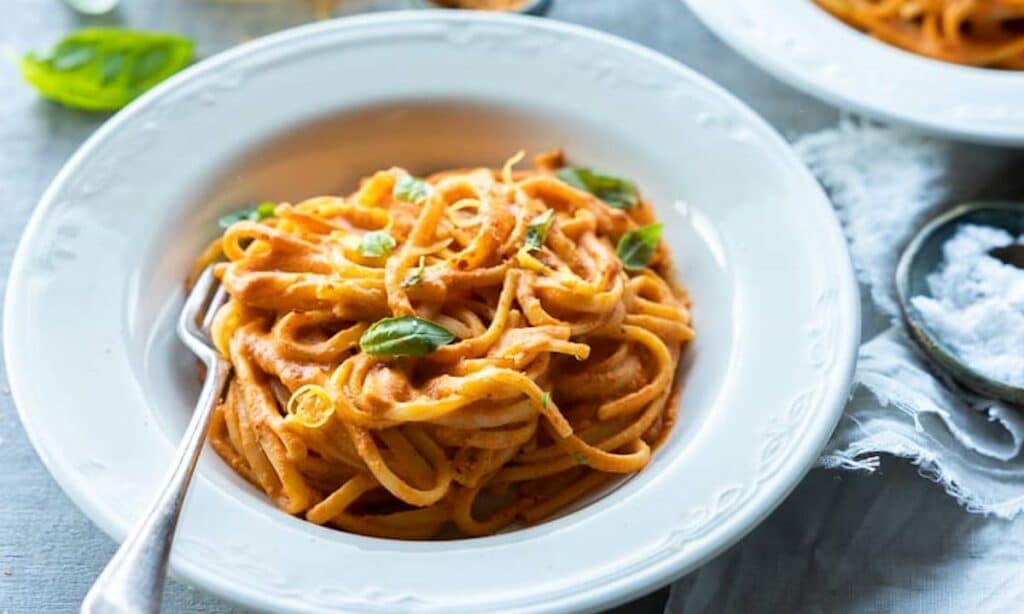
(133, 581)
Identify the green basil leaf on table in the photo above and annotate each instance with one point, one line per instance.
(411, 189)
(252, 213)
(111, 66)
(148, 65)
(103, 69)
(537, 230)
(636, 247)
(614, 191)
(376, 244)
(73, 55)
(404, 336)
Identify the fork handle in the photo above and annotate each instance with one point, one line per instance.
(133, 581)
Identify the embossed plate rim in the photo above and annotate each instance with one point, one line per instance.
(794, 430)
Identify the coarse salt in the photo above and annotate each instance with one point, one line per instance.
(977, 304)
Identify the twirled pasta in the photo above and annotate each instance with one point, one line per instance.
(988, 33)
(560, 374)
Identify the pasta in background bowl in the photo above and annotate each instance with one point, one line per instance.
(944, 67)
(97, 283)
(983, 33)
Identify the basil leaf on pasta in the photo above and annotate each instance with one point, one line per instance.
(614, 191)
(103, 69)
(376, 244)
(537, 230)
(265, 209)
(636, 247)
(411, 189)
(252, 213)
(404, 336)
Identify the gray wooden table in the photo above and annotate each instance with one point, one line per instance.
(49, 551)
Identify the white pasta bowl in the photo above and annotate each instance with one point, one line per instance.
(801, 44)
(104, 390)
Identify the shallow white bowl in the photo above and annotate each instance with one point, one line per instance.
(801, 44)
(104, 390)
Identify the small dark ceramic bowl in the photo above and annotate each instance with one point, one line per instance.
(923, 256)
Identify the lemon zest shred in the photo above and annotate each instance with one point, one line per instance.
(527, 261)
(311, 406)
(506, 170)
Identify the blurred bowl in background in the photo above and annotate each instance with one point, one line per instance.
(92, 7)
(526, 7)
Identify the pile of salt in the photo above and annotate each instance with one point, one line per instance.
(977, 304)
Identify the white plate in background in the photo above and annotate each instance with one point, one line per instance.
(801, 44)
(104, 390)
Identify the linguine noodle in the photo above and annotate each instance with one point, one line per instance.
(447, 356)
(987, 33)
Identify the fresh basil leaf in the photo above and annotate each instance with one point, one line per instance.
(148, 64)
(265, 209)
(376, 244)
(111, 65)
(636, 247)
(537, 230)
(103, 69)
(252, 213)
(614, 191)
(404, 336)
(411, 189)
(72, 55)
(416, 276)
(226, 221)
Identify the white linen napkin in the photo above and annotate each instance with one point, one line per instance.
(884, 183)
